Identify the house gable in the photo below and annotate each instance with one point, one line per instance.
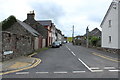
(22, 29)
(110, 27)
(109, 9)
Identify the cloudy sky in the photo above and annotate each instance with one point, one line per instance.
(64, 13)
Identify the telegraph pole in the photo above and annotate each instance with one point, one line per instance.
(87, 40)
(73, 35)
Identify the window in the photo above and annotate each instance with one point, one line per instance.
(110, 39)
(110, 22)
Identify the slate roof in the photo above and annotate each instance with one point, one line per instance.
(45, 22)
(38, 27)
(58, 31)
(28, 28)
(42, 30)
(94, 32)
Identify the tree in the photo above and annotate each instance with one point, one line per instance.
(7, 23)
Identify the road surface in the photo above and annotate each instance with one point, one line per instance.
(70, 61)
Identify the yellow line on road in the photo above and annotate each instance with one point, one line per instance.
(105, 57)
(34, 65)
(32, 54)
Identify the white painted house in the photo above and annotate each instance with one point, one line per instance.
(111, 26)
(53, 30)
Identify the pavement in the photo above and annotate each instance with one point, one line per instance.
(18, 64)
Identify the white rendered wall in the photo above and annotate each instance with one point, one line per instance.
(36, 43)
(110, 31)
(119, 26)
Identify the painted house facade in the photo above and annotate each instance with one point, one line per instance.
(59, 35)
(111, 27)
(47, 25)
(53, 29)
(46, 28)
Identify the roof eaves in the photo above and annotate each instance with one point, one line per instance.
(106, 14)
(28, 28)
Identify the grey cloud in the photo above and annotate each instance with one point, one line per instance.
(48, 10)
(95, 18)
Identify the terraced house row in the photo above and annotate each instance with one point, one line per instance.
(24, 37)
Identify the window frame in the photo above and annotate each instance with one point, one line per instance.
(110, 39)
(109, 23)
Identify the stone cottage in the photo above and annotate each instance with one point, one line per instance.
(95, 32)
(19, 39)
(37, 26)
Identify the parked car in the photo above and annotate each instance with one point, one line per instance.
(64, 42)
(60, 42)
(56, 44)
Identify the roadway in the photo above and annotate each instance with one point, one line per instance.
(71, 61)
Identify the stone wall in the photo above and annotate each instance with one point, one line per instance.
(110, 50)
(0, 46)
(19, 44)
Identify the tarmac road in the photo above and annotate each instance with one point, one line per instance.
(71, 61)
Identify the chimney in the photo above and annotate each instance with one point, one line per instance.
(116, 1)
(31, 15)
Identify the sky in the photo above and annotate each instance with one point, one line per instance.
(63, 13)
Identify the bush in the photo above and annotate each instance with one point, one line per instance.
(94, 40)
(7, 23)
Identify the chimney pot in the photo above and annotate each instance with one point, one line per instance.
(31, 15)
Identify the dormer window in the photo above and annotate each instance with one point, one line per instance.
(110, 23)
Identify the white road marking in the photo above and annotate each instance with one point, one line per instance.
(73, 53)
(69, 49)
(80, 60)
(97, 70)
(22, 73)
(94, 68)
(85, 64)
(60, 72)
(79, 71)
(114, 70)
(42, 72)
(109, 67)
